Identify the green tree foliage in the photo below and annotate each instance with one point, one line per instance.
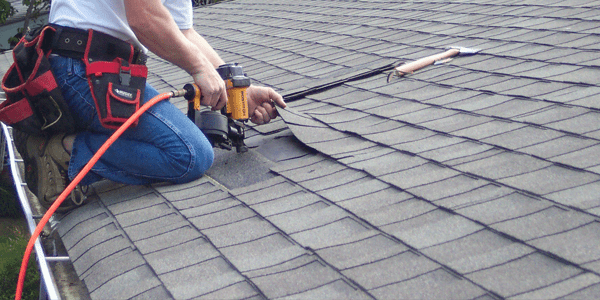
(6, 11)
(12, 247)
(34, 10)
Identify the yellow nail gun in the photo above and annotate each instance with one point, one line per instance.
(224, 129)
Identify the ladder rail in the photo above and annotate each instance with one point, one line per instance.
(47, 282)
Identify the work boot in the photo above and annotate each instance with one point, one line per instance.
(46, 169)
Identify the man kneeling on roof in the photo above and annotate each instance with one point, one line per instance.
(164, 146)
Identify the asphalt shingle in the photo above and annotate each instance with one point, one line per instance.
(524, 274)
(474, 178)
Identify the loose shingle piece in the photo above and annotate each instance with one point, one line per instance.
(474, 178)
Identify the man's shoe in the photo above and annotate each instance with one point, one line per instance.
(46, 165)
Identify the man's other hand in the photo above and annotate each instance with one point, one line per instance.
(261, 104)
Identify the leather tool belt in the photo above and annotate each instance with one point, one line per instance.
(115, 71)
(34, 103)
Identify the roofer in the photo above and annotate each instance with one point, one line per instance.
(164, 145)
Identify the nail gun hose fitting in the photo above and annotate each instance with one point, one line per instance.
(192, 93)
(78, 179)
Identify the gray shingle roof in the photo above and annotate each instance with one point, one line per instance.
(473, 179)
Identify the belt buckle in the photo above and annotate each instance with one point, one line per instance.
(124, 73)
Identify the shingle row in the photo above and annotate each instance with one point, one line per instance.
(474, 179)
(428, 227)
(375, 260)
(259, 249)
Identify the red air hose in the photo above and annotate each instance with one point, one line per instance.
(76, 181)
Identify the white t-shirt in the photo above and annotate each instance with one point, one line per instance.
(108, 16)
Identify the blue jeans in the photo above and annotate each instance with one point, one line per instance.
(164, 146)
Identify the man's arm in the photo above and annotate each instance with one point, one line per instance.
(259, 98)
(208, 51)
(154, 24)
(155, 28)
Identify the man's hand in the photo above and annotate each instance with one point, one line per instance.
(261, 102)
(212, 87)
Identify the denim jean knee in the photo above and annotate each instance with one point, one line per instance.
(164, 146)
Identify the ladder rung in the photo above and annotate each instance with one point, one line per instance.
(57, 258)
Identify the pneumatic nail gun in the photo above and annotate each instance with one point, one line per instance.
(224, 129)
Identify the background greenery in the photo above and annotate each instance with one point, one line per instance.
(9, 206)
(34, 7)
(6, 10)
(13, 241)
(33, 10)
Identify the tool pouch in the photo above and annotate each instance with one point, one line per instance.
(117, 84)
(34, 103)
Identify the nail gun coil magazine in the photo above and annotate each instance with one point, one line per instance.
(224, 129)
(215, 127)
(222, 132)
